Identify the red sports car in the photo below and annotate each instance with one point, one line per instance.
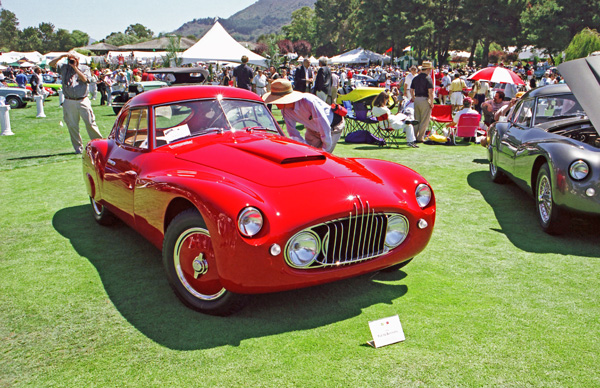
(206, 174)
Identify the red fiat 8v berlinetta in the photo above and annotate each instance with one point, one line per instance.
(206, 174)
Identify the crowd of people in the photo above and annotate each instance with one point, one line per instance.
(313, 88)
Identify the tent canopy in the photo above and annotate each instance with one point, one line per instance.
(218, 45)
(358, 55)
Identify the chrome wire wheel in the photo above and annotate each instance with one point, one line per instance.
(193, 259)
(544, 199)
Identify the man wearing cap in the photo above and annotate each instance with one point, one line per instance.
(323, 127)
(75, 89)
(422, 90)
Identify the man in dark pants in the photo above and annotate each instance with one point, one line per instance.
(303, 77)
(323, 80)
(242, 75)
(422, 89)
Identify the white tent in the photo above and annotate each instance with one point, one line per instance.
(14, 56)
(218, 45)
(83, 59)
(358, 55)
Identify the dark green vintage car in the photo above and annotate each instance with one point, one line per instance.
(550, 146)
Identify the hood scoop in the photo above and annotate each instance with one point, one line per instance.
(282, 153)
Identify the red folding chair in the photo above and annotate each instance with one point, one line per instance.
(440, 116)
(386, 132)
(467, 126)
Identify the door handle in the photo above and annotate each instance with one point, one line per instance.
(131, 173)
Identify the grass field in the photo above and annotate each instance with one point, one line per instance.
(492, 301)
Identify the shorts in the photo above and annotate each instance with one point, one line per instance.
(456, 98)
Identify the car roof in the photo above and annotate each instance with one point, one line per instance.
(182, 93)
(548, 90)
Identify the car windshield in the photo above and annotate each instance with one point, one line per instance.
(183, 120)
(557, 107)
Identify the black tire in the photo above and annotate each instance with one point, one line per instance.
(102, 215)
(396, 267)
(14, 102)
(497, 175)
(551, 218)
(190, 264)
(119, 99)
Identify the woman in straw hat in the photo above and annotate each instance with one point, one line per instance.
(322, 131)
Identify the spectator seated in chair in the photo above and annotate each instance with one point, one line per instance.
(467, 108)
(399, 121)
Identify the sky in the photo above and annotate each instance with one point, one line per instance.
(100, 18)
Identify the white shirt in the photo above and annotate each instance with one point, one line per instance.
(314, 114)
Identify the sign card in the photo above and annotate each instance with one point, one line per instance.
(386, 331)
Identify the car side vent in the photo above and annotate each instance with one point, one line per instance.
(303, 159)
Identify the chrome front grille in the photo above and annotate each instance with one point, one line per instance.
(358, 237)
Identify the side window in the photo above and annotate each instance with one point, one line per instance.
(525, 113)
(136, 132)
(121, 127)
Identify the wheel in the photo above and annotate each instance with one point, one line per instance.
(246, 121)
(102, 215)
(14, 102)
(549, 215)
(117, 109)
(396, 267)
(496, 174)
(190, 263)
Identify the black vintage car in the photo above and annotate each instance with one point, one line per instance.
(120, 97)
(550, 145)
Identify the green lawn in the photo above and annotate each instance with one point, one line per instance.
(492, 301)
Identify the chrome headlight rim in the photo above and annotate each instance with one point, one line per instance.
(423, 195)
(391, 221)
(579, 170)
(250, 221)
(288, 248)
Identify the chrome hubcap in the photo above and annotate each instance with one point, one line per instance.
(193, 250)
(97, 207)
(544, 198)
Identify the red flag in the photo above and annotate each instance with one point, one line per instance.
(388, 50)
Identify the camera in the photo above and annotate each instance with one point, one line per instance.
(71, 61)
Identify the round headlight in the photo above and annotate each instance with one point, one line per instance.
(250, 221)
(303, 249)
(579, 170)
(397, 230)
(423, 195)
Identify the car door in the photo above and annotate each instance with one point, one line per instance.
(511, 139)
(124, 162)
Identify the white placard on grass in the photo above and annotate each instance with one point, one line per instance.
(386, 331)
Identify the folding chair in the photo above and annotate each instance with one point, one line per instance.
(363, 119)
(350, 124)
(467, 126)
(440, 116)
(385, 131)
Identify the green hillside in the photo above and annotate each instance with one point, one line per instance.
(262, 17)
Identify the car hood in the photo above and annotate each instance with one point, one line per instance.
(583, 77)
(268, 160)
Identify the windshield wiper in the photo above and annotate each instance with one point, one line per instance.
(257, 128)
(211, 130)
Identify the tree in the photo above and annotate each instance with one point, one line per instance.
(64, 40)
(583, 44)
(120, 39)
(303, 48)
(48, 37)
(31, 39)
(552, 24)
(335, 22)
(285, 46)
(9, 31)
(139, 31)
(173, 52)
(302, 26)
(80, 38)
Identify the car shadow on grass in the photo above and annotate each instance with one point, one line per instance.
(515, 212)
(43, 156)
(132, 275)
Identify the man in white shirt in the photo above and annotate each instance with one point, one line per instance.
(407, 82)
(323, 129)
